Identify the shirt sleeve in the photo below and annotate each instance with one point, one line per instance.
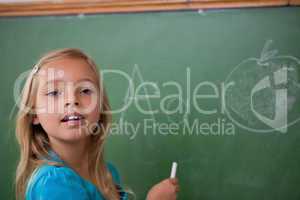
(116, 177)
(114, 172)
(57, 184)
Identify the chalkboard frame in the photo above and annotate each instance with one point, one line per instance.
(67, 7)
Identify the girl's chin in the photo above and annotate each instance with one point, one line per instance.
(72, 135)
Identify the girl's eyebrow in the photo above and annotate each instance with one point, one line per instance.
(62, 80)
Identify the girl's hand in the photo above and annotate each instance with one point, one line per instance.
(165, 190)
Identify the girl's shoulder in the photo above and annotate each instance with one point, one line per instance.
(51, 171)
(55, 181)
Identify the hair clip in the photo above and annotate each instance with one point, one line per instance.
(35, 69)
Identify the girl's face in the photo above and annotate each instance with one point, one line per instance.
(67, 103)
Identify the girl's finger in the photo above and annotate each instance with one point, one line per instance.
(174, 181)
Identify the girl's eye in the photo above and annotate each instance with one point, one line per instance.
(53, 93)
(86, 91)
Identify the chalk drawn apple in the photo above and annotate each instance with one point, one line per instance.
(261, 92)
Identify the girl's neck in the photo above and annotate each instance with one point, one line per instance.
(74, 155)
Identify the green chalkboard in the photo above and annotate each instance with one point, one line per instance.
(232, 122)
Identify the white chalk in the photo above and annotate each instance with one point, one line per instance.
(173, 170)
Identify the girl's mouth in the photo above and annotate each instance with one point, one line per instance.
(72, 117)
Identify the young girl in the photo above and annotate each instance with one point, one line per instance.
(61, 136)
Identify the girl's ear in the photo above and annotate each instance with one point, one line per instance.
(35, 120)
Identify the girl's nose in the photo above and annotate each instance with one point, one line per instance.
(69, 103)
(71, 99)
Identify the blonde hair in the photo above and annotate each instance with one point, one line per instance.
(34, 142)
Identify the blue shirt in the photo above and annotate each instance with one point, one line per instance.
(50, 182)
